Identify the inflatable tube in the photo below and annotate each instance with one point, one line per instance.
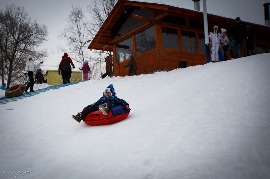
(15, 90)
(97, 118)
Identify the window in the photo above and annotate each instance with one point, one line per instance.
(145, 40)
(188, 41)
(169, 37)
(260, 48)
(202, 43)
(126, 23)
(123, 50)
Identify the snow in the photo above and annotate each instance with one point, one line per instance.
(208, 121)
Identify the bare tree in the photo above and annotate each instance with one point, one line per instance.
(19, 39)
(99, 10)
(82, 29)
(76, 34)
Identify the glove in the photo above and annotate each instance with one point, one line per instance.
(127, 106)
(59, 72)
(73, 66)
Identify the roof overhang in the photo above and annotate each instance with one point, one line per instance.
(103, 40)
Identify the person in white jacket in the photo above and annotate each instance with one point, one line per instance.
(214, 38)
(30, 68)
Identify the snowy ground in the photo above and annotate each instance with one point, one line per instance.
(203, 122)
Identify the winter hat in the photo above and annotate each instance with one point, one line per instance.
(65, 54)
(107, 90)
(223, 30)
(112, 89)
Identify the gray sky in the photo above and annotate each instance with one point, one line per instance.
(54, 14)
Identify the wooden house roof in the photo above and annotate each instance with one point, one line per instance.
(104, 37)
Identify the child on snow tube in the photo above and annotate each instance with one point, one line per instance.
(105, 104)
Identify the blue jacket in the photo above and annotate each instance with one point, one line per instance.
(112, 100)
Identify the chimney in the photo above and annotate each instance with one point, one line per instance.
(196, 5)
(266, 14)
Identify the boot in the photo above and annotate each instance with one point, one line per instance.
(77, 117)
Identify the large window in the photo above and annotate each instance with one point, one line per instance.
(202, 43)
(169, 37)
(260, 48)
(126, 23)
(188, 41)
(123, 50)
(145, 40)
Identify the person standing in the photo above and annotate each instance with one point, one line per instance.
(224, 41)
(239, 33)
(39, 77)
(30, 68)
(65, 68)
(232, 47)
(249, 41)
(214, 38)
(85, 70)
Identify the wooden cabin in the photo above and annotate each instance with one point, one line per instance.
(161, 37)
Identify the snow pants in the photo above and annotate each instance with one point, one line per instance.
(66, 74)
(88, 109)
(214, 53)
(31, 81)
(85, 76)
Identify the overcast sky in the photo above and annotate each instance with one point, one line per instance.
(54, 14)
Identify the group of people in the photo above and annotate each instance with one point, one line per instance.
(239, 43)
(65, 69)
(30, 69)
(105, 103)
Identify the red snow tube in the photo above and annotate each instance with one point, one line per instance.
(15, 90)
(97, 118)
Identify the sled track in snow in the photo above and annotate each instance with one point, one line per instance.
(4, 100)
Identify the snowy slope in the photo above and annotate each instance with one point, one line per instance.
(209, 121)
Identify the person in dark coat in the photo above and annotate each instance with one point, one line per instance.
(239, 33)
(132, 66)
(39, 77)
(249, 41)
(107, 102)
(65, 68)
(109, 67)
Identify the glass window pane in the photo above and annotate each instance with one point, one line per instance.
(202, 43)
(126, 23)
(123, 50)
(188, 41)
(145, 40)
(169, 37)
(260, 48)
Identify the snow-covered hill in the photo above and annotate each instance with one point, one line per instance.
(203, 122)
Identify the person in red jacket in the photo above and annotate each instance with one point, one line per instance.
(85, 70)
(65, 68)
